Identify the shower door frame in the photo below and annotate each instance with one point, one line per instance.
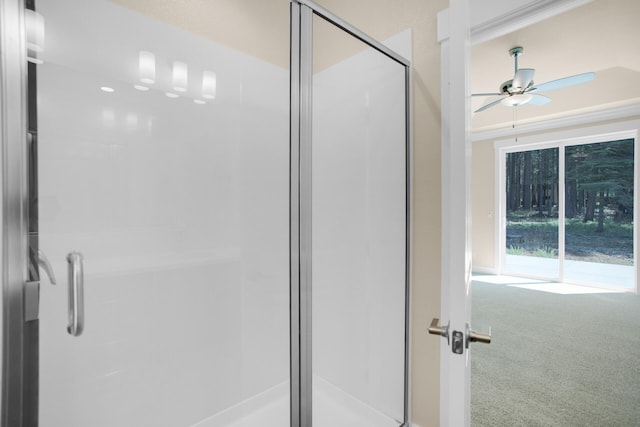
(14, 250)
(301, 68)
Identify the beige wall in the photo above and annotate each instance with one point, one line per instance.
(382, 19)
(257, 27)
(483, 205)
(264, 32)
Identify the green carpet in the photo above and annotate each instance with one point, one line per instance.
(555, 360)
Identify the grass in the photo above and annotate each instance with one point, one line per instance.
(538, 253)
(611, 228)
(531, 235)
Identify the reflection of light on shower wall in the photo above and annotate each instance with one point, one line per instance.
(108, 118)
(209, 84)
(180, 76)
(150, 125)
(147, 67)
(132, 121)
(34, 23)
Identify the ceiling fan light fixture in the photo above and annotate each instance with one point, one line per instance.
(521, 89)
(517, 99)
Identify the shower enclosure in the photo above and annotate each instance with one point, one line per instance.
(205, 216)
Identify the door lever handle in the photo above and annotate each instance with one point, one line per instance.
(436, 329)
(478, 337)
(473, 336)
(76, 294)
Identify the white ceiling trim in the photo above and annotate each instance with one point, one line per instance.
(522, 17)
(515, 17)
(619, 113)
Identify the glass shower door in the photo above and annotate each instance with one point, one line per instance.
(163, 153)
(359, 232)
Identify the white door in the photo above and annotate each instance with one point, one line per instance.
(456, 260)
(459, 27)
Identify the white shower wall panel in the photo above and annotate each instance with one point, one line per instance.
(359, 231)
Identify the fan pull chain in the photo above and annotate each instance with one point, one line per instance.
(515, 120)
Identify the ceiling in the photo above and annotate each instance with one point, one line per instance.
(602, 36)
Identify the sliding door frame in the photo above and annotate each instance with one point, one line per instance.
(562, 139)
(302, 12)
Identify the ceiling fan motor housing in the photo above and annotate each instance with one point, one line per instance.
(506, 88)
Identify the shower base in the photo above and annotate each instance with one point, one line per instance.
(332, 408)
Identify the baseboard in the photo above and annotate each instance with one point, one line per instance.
(483, 270)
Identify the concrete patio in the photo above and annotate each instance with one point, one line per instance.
(578, 272)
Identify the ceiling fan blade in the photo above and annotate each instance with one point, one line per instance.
(522, 79)
(486, 94)
(565, 82)
(489, 105)
(538, 99)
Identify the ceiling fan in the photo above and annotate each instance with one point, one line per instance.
(521, 89)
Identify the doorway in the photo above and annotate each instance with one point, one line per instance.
(455, 58)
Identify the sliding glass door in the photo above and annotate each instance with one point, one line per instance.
(599, 214)
(531, 202)
(568, 211)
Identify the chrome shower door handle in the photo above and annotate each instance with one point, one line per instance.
(76, 294)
